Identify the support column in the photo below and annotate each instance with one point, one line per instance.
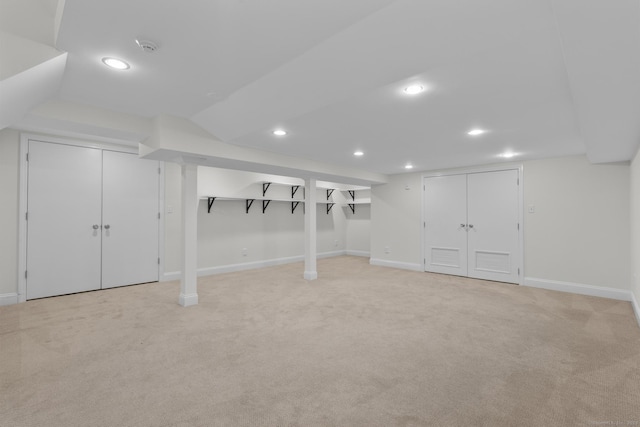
(189, 282)
(310, 230)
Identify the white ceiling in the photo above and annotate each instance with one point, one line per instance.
(546, 78)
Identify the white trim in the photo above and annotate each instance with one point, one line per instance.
(396, 264)
(636, 307)
(163, 214)
(579, 288)
(310, 275)
(365, 254)
(465, 171)
(231, 268)
(187, 300)
(8, 299)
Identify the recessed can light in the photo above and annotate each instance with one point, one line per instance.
(508, 154)
(413, 89)
(408, 166)
(358, 153)
(116, 63)
(279, 132)
(476, 132)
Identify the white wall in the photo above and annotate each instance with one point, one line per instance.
(579, 233)
(229, 236)
(396, 215)
(635, 230)
(9, 151)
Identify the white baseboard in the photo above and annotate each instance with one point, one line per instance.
(578, 288)
(8, 299)
(396, 264)
(636, 307)
(230, 268)
(187, 300)
(365, 254)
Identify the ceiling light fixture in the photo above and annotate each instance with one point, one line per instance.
(476, 132)
(358, 153)
(413, 89)
(508, 155)
(116, 63)
(408, 166)
(279, 132)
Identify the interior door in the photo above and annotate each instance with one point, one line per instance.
(493, 234)
(445, 213)
(130, 220)
(64, 217)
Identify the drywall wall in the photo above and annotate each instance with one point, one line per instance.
(228, 236)
(578, 234)
(9, 177)
(635, 230)
(396, 215)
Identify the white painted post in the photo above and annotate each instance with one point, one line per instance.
(189, 282)
(310, 231)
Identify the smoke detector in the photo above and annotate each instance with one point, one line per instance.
(146, 45)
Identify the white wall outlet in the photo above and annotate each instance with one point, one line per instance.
(336, 243)
(244, 252)
(387, 250)
(169, 209)
(532, 209)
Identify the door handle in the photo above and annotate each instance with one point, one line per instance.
(463, 225)
(96, 226)
(107, 226)
(470, 225)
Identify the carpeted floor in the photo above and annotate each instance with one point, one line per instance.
(360, 346)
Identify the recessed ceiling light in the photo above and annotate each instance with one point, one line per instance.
(358, 153)
(413, 89)
(279, 132)
(116, 63)
(475, 132)
(408, 166)
(508, 155)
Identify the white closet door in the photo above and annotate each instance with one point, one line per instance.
(493, 225)
(445, 224)
(64, 211)
(130, 220)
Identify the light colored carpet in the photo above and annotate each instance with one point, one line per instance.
(360, 346)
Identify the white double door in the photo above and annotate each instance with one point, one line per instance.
(92, 219)
(472, 225)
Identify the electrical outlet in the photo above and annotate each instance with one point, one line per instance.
(336, 243)
(244, 252)
(387, 250)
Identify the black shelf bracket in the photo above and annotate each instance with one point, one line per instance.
(265, 187)
(248, 204)
(352, 193)
(329, 206)
(294, 189)
(294, 205)
(210, 201)
(353, 207)
(265, 203)
(329, 192)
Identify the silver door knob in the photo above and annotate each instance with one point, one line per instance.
(463, 225)
(470, 225)
(106, 227)
(96, 226)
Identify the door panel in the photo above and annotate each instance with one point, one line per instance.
(445, 219)
(493, 225)
(63, 203)
(130, 218)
